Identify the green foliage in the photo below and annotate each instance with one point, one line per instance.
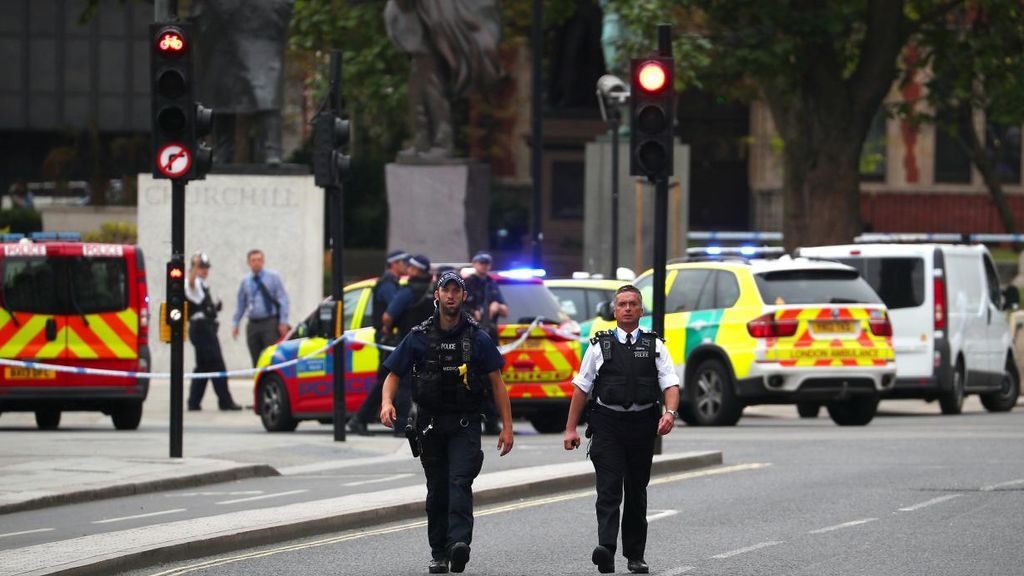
(23, 220)
(114, 233)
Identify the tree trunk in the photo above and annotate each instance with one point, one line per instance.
(971, 143)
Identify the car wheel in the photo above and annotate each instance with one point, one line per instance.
(48, 419)
(952, 401)
(712, 398)
(808, 409)
(1006, 398)
(856, 411)
(127, 416)
(275, 409)
(549, 422)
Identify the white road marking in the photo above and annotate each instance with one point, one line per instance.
(27, 532)
(221, 493)
(151, 514)
(661, 514)
(1001, 485)
(843, 525)
(263, 497)
(747, 549)
(376, 480)
(920, 505)
(676, 571)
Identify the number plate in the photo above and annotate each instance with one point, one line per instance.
(833, 327)
(19, 373)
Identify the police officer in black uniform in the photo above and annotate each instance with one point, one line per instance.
(628, 373)
(384, 291)
(202, 332)
(452, 361)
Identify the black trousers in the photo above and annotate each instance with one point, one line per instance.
(260, 334)
(451, 458)
(203, 334)
(622, 449)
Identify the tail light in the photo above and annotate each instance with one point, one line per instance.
(880, 325)
(144, 323)
(940, 304)
(768, 327)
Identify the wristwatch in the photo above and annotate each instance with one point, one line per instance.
(673, 413)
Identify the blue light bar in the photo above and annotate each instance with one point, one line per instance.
(43, 236)
(12, 237)
(748, 250)
(713, 250)
(523, 273)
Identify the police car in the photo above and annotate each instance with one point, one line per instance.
(786, 331)
(538, 372)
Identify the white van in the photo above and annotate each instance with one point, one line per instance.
(950, 333)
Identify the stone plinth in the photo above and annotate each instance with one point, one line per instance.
(226, 215)
(441, 211)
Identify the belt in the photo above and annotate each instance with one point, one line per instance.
(264, 319)
(624, 413)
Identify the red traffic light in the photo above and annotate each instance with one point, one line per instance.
(652, 77)
(170, 41)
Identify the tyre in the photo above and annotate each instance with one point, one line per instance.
(48, 419)
(856, 411)
(127, 416)
(808, 409)
(549, 422)
(1006, 398)
(952, 401)
(712, 397)
(275, 409)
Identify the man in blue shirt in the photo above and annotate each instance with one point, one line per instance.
(451, 361)
(263, 300)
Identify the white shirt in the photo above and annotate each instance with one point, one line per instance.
(593, 360)
(195, 297)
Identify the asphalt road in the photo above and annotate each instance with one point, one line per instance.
(912, 493)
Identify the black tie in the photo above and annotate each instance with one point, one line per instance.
(629, 339)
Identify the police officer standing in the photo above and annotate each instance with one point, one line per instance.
(629, 373)
(384, 291)
(202, 332)
(486, 304)
(452, 361)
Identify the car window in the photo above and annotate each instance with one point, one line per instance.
(351, 299)
(594, 298)
(573, 302)
(993, 283)
(65, 285)
(814, 287)
(727, 289)
(898, 281)
(527, 301)
(30, 285)
(685, 292)
(98, 285)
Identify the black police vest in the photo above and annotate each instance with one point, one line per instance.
(628, 374)
(421, 307)
(445, 380)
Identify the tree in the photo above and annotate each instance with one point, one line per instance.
(823, 68)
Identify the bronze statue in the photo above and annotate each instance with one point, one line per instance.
(240, 66)
(453, 46)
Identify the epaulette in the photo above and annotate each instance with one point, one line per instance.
(469, 319)
(424, 326)
(598, 335)
(655, 334)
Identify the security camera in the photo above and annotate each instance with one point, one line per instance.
(611, 92)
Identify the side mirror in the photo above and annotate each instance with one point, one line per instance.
(604, 310)
(326, 316)
(1011, 298)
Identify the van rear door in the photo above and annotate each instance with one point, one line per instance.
(900, 283)
(31, 327)
(102, 324)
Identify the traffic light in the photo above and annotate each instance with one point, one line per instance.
(330, 135)
(179, 122)
(652, 112)
(176, 293)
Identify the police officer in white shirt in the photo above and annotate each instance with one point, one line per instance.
(202, 331)
(635, 389)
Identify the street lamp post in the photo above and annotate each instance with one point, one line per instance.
(612, 94)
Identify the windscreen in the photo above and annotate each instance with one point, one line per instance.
(898, 281)
(814, 287)
(527, 301)
(30, 285)
(65, 285)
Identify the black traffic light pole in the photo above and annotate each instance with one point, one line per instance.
(334, 190)
(177, 328)
(615, 118)
(661, 214)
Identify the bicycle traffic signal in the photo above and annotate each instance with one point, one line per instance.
(179, 122)
(176, 293)
(330, 136)
(652, 114)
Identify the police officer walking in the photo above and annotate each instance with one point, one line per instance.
(629, 373)
(384, 291)
(486, 304)
(202, 332)
(452, 361)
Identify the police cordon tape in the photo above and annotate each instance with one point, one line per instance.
(348, 335)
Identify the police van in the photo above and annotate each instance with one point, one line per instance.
(73, 303)
(950, 331)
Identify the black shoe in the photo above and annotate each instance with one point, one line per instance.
(194, 408)
(459, 555)
(638, 566)
(438, 566)
(231, 407)
(604, 560)
(358, 427)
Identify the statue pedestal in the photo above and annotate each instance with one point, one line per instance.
(439, 210)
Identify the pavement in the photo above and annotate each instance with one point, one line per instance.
(86, 459)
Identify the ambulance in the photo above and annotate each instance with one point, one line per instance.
(72, 303)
